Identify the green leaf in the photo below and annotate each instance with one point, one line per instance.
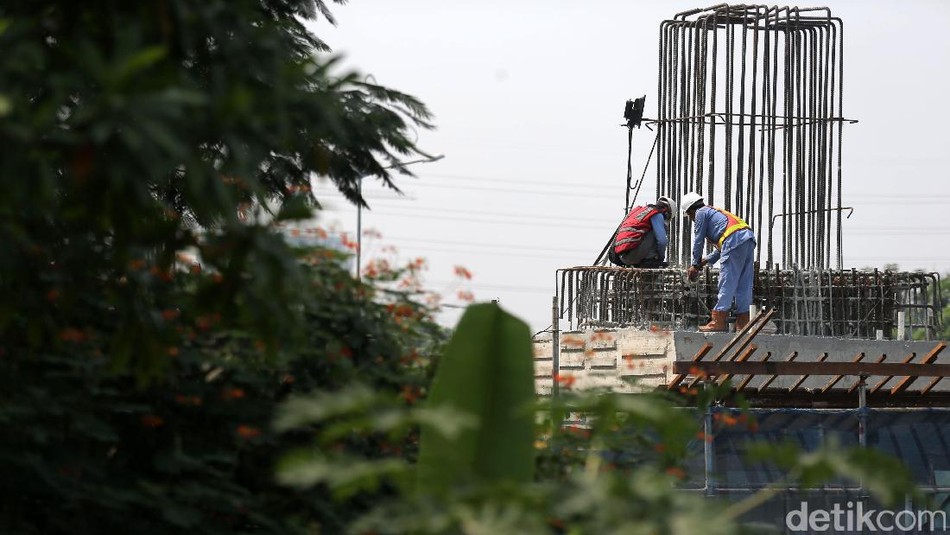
(294, 209)
(301, 412)
(345, 476)
(487, 372)
(141, 61)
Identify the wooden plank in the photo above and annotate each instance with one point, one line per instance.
(891, 376)
(798, 383)
(791, 357)
(857, 358)
(815, 368)
(930, 357)
(751, 330)
(677, 379)
(931, 385)
(742, 358)
(745, 382)
(745, 335)
(879, 360)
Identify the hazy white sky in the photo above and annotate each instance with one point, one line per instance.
(528, 97)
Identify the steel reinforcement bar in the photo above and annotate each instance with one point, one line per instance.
(750, 116)
(841, 303)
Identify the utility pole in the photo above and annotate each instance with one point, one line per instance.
(359, 208)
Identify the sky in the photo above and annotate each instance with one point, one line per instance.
(528, 99)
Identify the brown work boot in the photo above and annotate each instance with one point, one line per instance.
(717, 324)
(741, 321)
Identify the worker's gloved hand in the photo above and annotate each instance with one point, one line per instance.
(692, 273)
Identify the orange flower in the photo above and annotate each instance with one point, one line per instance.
(71, 334)
(233, 393)
(566, 380)
(676, 472)
(169, 314)
(248, 432)
(577, 430)
(182, 399)
(53, 295)
(173, 351)
(206, 321)
(410, 394)
(463, 273)
(150, 420)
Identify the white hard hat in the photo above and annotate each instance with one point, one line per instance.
(668, 202)
(689, 200)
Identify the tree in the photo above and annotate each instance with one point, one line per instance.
(152, 314)
(129, 128)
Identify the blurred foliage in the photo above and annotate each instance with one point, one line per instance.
(129, 130)
(487, 373)
(196, 449)
(152, 313)
(603, 462)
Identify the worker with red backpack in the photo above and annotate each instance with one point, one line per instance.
(641, 239)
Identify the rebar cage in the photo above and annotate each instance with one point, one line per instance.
(749, 115)
(841, 303)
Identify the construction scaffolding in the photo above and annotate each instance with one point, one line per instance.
(841, 303)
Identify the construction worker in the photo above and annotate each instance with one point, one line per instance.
(641, 239)
(734, 243)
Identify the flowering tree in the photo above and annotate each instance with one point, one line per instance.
(151, 315)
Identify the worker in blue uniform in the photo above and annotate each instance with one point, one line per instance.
(734, 243)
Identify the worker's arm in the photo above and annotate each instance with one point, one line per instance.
(713, 256)
(699, 236)
(659, 232)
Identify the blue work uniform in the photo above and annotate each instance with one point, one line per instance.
(736, 271)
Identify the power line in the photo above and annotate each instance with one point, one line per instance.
(507, 190)
(475, 286)
(507, 254)
(500, 245)
(510, 181)
(488, 221)
(424, 209)
(500, 214)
